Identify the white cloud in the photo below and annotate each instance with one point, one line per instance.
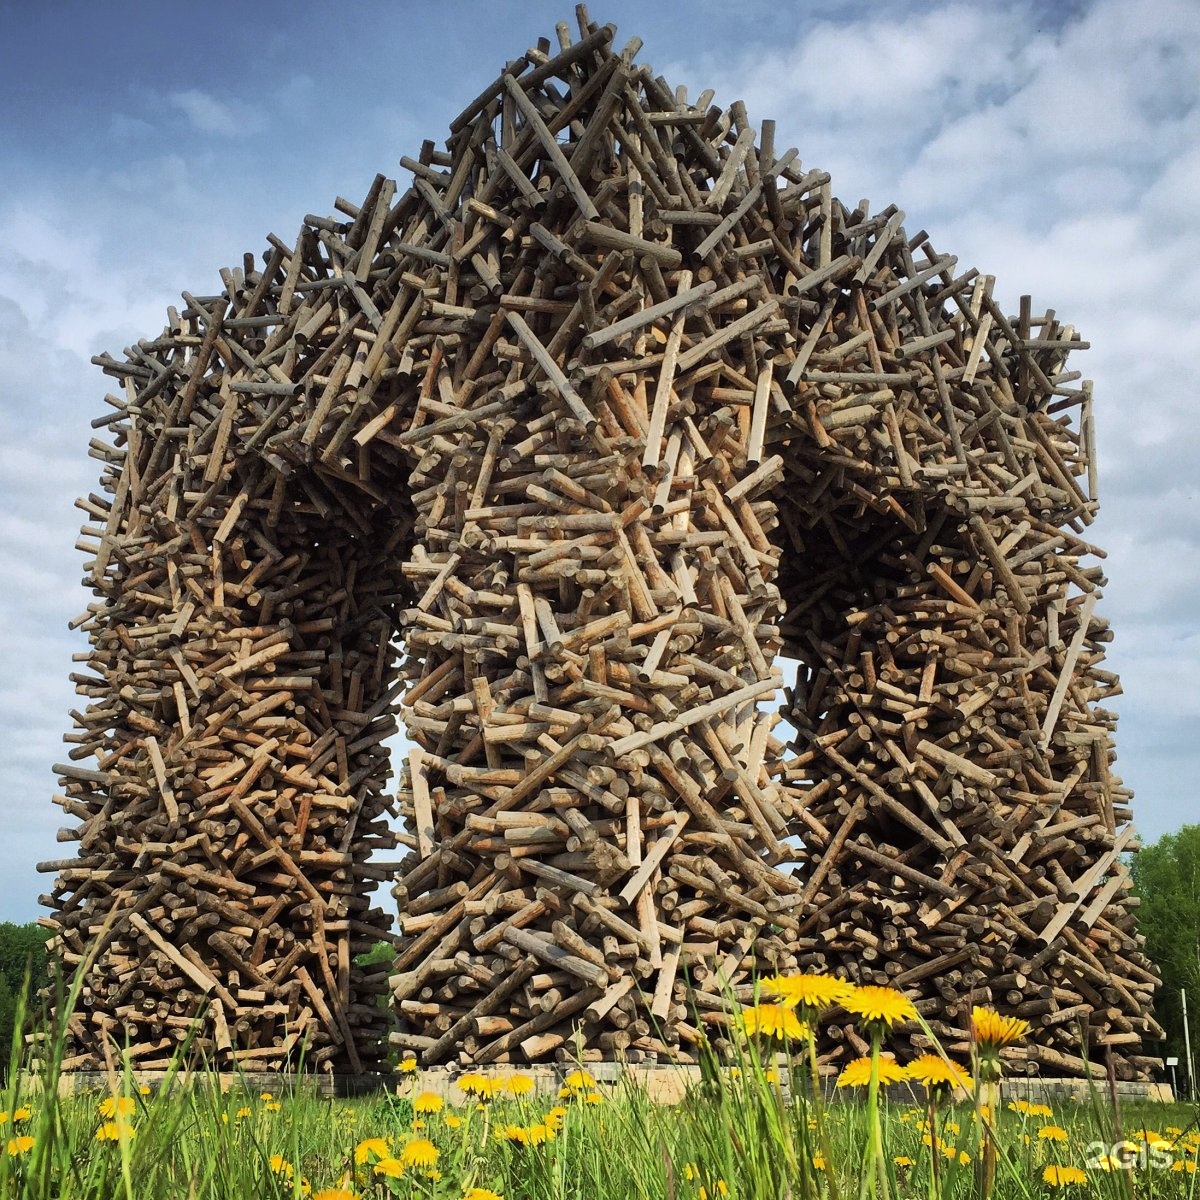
(222, 117)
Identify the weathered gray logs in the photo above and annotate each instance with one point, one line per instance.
(611, 407)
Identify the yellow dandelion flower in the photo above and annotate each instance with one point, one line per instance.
(902, 1160)
(1039, 1110)
(433, 1174)
(883, 1004)
(953, 1128)
(1057, 1176)
(1108, 1163)
(428, 1102)
(3, 1117)
(22, 1114)
(515, 1133)
(1174, 1130)
(336, 1193)
(418, 1125)
(272, 1106)
(1052, 1133)
(19, 1145)
(593, 1098)
(773, 1021)
(963, 1157)
(555, 1117)
(1184, 1164)
(811, 992)
(578, 1080)
(453, 1120)
(117, 1106)
(858, 1072)
(420, 1152)
(992, 1030)
(115, 1131)
(408, 1065)
(936, 1073)
(518, 1085)
(477, 1085)
(771, 1075)
(818, 1162)
(243, 1113)
(389, 1168)
(372, 1148)
(280, 1166)
(478, 1193)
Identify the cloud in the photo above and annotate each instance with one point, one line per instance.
(221, 117)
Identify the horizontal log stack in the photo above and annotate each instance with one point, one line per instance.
(558, 453)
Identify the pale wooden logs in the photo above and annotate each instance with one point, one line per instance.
(607, 410)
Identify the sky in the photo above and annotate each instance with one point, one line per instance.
(144, 146)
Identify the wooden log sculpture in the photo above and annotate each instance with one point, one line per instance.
(612, 406)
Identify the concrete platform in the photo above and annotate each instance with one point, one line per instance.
(663, 1083)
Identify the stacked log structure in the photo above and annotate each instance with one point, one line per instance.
(559, 453)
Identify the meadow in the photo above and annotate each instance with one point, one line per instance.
(753, 1129)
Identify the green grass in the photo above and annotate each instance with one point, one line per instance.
(739, 1137)
(740, 1133)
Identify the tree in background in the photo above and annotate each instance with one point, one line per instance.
(22, 948)
(1166, 876)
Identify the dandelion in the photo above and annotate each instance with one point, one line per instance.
(1039, 1110)
(593, 1098)
(408, 1066)
(420, 1152)
(1057, 1176)
(115, 1131)
(372, 1148)
(879, 1005)
(858, 1073)
(280, 1166)
(810, 993)
(773, 1021)
(1181, 1164)
(478, 1193)
(117, 1106)
(21, 1114)
(540, 1133)
(272, 1106)
(518, 1085)
(336, 1193)
(993, 1031)
(389, 1168)
(517, 1134)
(1052, 1133)
(453, 1120)
(19, 1145)
(579, 1081)
(902, 1160)
(242, 1113)
(477, 1085)
(428, 1102)
(1108, 1163)
(938, 1074)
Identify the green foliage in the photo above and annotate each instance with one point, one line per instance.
(381, 952)
(22, 948)
(1167, 878)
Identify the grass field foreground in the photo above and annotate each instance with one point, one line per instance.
(753, 1130)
